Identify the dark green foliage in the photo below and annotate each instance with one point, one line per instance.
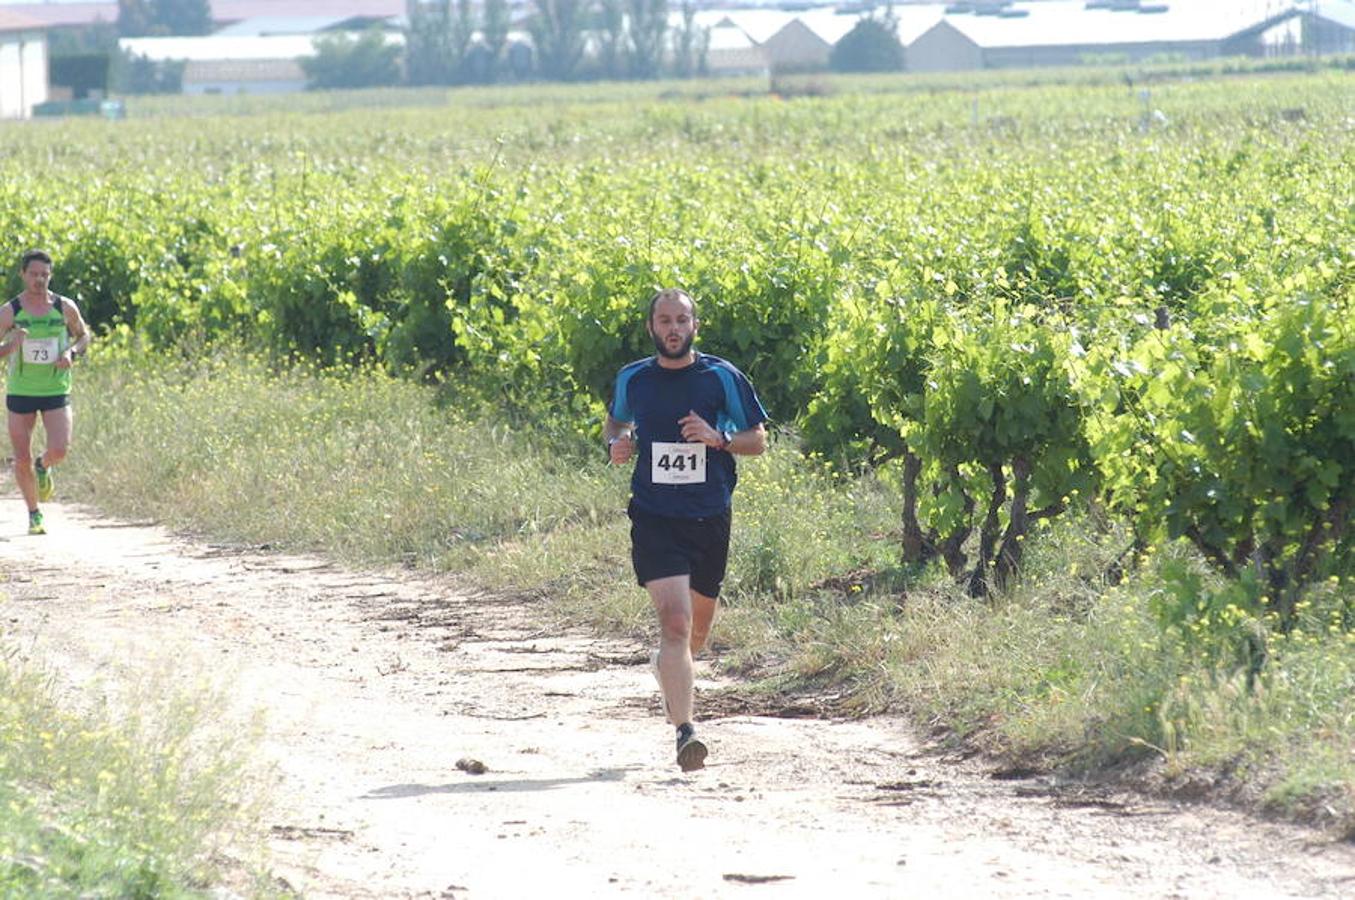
(871, 46)
(437, 42)
(1009, 322)
(139, 75)
(343, 61)
(137, 18)
(82, 73)
(646, 27)
(557, 33)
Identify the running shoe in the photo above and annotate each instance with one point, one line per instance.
(46, 487)
(691, 753)
(35, 525)
(654, 667)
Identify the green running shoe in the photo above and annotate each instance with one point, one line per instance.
(46, 486)
(35, 525)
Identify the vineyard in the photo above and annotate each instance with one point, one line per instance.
(1110, 305)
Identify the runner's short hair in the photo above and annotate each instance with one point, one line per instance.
(670, 294)
(34, 256)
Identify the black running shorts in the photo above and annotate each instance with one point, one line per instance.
(23, 405)
(661, 546)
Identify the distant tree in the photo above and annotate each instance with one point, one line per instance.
(100, 36)
(463, 29)
(437, 42)
(132, 74)
(648, 22)
(186, 17)
(344, 61)
(82, 59)
(871, 46)
(82, 73)
(477, 65)
(138, 18)
(427, 43)
(520, 62)
(690, 44)
(134, 18)
(495, 33)
(557, 32)
(611, 34)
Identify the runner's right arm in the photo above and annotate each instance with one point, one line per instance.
(620, 440)
(14, 335)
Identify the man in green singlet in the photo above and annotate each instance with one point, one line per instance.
(43, 334)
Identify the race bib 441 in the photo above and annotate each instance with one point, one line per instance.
(677, 463)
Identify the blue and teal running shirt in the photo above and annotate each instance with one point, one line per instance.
(654, 399)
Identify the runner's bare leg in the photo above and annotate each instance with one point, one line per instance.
(21, 438)
(703, 614)
(57, 424)
(673, 602)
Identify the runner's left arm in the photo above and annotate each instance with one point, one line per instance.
(746, 415)
(75, 324)
(749, 442)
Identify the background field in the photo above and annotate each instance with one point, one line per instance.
(1063, 376)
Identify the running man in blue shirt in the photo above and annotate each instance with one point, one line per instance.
(682, 416)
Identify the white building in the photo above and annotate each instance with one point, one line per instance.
(23, 65)
(230, 65)
(1068, 32)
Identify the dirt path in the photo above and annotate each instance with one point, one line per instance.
(376, 683)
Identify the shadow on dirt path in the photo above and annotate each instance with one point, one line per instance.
(386, 692)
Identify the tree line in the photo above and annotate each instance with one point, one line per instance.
(452, 42)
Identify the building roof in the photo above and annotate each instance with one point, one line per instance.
(1069, 22)
(238, 10)
(915, 18)
(59, 15)
(758, 24)
(215, 48)
(212, 48)
(729, 38)
(53, 15)
(828, 24)
(11, 22)
(266, 25)
(1342, 12)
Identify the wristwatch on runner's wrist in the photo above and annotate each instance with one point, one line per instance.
(726, 438)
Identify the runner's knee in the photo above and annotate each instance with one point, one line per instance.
(676, 623)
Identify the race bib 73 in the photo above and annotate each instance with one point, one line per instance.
(40, 350)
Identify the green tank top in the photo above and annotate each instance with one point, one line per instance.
(32, 369)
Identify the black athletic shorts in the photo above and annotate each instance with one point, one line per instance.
(23, 405)
(662, 546)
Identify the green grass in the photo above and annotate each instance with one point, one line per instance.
(360, 465)
(135, 795)
(1065, 670)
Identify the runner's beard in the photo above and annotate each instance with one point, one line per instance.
(662, 346)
